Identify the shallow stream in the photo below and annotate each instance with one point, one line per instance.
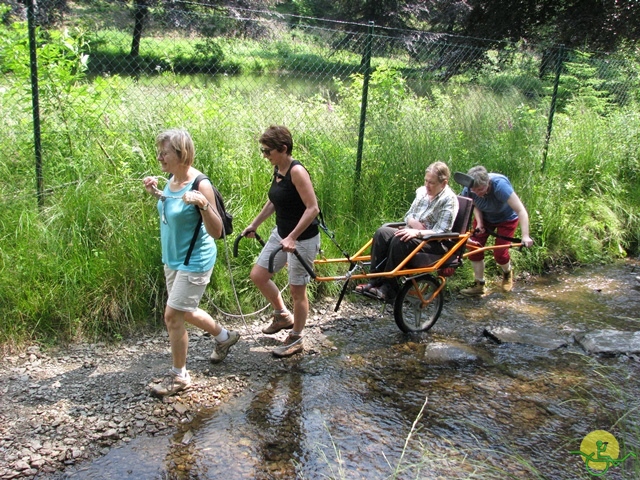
(450, 403)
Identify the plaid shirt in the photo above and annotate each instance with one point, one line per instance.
(438, 214)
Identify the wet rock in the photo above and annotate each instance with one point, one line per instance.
(61, 408)
(188, 436)
(610, 342)
(540, 337)
(452, 352)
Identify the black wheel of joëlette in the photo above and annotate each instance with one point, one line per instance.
(416, 308)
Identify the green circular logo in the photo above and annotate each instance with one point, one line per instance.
(600, 448)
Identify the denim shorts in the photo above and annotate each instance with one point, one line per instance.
(308, 249)
(185, 289)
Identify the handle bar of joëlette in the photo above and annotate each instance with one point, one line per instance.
(273, 254)
(298, 256)
(241, 236)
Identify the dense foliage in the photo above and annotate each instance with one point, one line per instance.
(595, 24)
(87, 264)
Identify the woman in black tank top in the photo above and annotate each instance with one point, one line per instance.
(293, 200)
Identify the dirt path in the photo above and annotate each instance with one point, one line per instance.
(62, 407)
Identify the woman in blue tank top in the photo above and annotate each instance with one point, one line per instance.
(293, 200)
(187, 213)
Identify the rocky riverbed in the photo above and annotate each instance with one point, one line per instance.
(61, 407)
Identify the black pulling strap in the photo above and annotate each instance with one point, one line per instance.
(503, 237)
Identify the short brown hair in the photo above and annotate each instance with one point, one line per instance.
(276, 137)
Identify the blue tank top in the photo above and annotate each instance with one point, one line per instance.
(177, 224)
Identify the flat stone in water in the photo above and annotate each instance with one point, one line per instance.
(450, 352)
(540, 337)
(610, 342)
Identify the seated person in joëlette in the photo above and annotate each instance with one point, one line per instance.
(433, 210)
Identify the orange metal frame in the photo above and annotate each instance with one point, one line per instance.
(401, 269)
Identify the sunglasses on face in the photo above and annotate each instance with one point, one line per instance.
(267, 151)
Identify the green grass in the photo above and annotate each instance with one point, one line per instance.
(87, 265)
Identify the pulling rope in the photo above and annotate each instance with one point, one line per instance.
(237, 299)
(162, 197)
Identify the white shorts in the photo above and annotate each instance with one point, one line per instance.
(308, 250)
(185, 289)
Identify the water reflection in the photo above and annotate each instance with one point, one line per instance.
(275, 414)
(492, 410)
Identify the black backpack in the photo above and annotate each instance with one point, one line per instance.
(227, 218)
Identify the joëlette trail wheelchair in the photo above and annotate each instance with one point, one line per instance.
(422, 276)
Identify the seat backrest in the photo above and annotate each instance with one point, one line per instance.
(465, 209)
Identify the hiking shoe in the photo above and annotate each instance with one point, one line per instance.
(478, 288)
(507, 281)
(170, 385)
(221, 349)
(281, 321)
(292, 345)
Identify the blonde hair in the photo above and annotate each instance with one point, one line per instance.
(181, 142)
(441, 170)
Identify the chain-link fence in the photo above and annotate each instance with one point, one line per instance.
(369, 109)
(122, 70)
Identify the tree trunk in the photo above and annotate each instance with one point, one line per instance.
(141, 9)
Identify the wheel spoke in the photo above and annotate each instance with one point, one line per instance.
(416, 308)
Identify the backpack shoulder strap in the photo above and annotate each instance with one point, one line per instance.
(197, 180)
(194, 239)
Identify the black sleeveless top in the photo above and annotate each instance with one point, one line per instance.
(288, 204)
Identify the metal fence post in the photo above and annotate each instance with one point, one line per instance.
(35, 99)
(366, 67)
(552, 108)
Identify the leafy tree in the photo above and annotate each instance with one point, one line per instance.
(180, 14)
(600, 24)
(387, 13)
(48, 12)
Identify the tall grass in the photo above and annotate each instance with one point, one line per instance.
(88, 264)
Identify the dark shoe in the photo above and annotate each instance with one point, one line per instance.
(281, 321)
(292, 345)
(384, 292)
(221, 349)
(364, 287)
(170, 385)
